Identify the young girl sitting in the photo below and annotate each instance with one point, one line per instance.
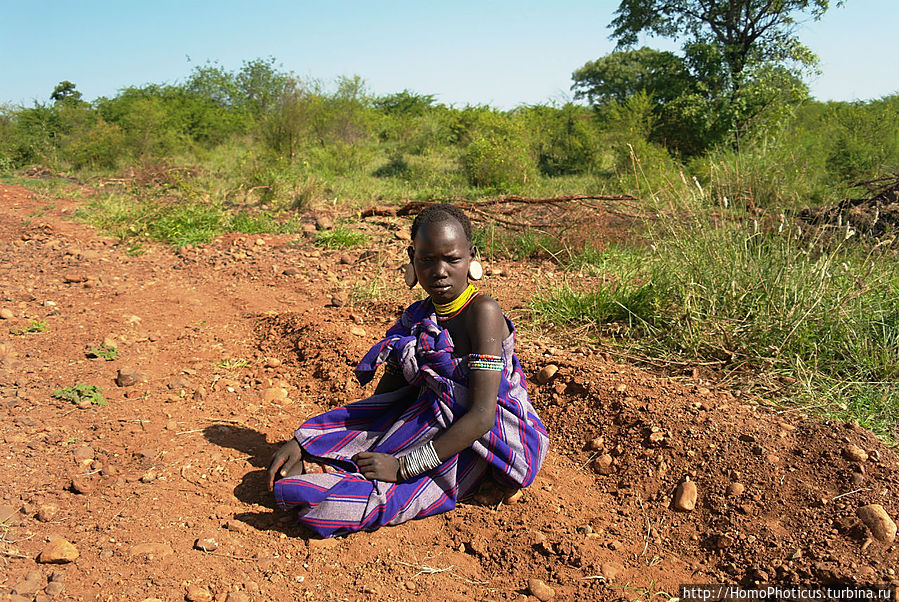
(450, 411)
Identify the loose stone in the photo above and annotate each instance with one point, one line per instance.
(82, 485)
(547, 373)
(735, 489)
(58, 551)
(46, 512)
(540, 590)
(878, 522)
(28, 586)
(603, 465)
(685, 496)
(126, 377)
(196, 593)
(854, 453)
(54, 588)
(207, 544)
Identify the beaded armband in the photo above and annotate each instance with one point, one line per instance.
(482, 361)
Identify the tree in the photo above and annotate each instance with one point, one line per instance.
(618, 76)
(740, 69)
(746, 32)
(65, 93)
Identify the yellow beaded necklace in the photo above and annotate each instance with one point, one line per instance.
(449, 310)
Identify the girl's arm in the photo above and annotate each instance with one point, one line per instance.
(486, 328)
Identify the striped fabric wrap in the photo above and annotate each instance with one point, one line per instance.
(343, 501)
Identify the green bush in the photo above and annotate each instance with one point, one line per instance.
(862, 146)
(339, 158)
(101, 146)
(501, 165)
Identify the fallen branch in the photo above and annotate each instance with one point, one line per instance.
(559, 199)
(246, 198)
(416, 206)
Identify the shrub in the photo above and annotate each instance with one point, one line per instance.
(503, 165)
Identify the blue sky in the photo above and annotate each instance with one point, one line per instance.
(503, 53)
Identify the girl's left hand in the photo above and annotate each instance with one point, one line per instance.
(378, 467)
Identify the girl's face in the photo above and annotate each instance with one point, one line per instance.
(441, 255)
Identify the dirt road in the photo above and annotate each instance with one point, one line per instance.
(222, 350)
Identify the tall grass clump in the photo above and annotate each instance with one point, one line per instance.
(820, 310)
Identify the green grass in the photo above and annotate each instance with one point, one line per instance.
(340, 237)
(177, 222)
(33, 326)
(495, 242)
(778, 302)
(81, 392)
(232, 364)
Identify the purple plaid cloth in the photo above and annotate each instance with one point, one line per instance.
(397, 422)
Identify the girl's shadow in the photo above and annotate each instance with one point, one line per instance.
(253, 487)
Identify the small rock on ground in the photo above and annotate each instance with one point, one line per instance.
(854, 453)
(541, 590)
(82, 485)
(206, 544)
(196, 593)
(685, 496)
(603, 464)
(28, 587)
(58, 551)
(878, 522)
(735, 489)
(547, 373)
(127, 377)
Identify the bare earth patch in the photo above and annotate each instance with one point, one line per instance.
(228, 347)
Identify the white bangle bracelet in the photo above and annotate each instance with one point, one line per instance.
(419, 460)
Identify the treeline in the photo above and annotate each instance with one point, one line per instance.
(289, 141)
